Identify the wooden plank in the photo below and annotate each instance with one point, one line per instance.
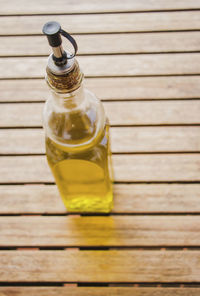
(123, 88)
(128, 198)
(26, 141)
(127, 168)
(97, 291)
(119, 113)
(177, 167)
(106, 43)
(123, 139)
(104, 23)
(108, 65)
(100, 266)
(44, 7)
(112, 231)
(152, 139)
(87, 44)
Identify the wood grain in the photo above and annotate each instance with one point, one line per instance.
(100, 266)
(123, 88)
(127, 168)
(119, 113)
(108, 65)
(105, 43)
(43, 7)
(128, 198)
(96, 291)
(115, 231)
(105, 56)
(104, 23)
(177, 167)
(123, 139)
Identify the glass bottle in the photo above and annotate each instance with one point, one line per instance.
(76, 133)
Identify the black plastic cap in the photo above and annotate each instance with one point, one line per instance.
(52, 31)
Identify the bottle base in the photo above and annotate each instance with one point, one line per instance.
(88, 204)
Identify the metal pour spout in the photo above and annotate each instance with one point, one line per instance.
(53, 32)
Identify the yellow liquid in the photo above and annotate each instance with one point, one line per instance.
(84, 177)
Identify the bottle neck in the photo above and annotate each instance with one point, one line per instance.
(70, 100)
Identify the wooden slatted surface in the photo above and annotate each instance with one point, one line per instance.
(142, 60)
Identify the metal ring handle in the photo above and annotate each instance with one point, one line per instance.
(72, 41)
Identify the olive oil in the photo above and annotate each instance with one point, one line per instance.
(84, 177)
(76, 133)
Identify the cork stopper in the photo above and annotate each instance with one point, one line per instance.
(67, 81)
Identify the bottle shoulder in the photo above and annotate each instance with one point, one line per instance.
(74, 123)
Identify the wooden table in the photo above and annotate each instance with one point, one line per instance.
(142, 59)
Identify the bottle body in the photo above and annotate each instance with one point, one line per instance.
(78, 150)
